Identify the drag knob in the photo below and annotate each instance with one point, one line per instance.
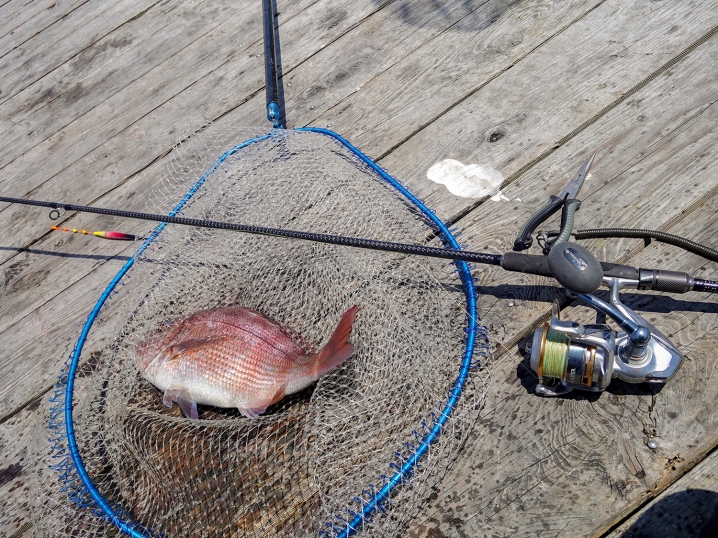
(575, 268)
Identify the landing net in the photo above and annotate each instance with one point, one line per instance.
(361, 449)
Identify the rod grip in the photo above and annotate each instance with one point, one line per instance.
(534, 264)
(670, 281)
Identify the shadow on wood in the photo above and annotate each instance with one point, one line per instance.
(690, 513)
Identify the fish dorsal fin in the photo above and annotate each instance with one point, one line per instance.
(176, 351)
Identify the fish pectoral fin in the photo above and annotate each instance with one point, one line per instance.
(171, 395)
(181, 396)
(194, 344)
(254, 412)
(188, 407)
(277, 396)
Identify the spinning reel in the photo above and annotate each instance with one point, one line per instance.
(569, 355)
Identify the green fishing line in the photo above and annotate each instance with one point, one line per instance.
(555, 355)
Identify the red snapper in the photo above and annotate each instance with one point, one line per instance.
(235, 357)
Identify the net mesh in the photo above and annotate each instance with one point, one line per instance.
(317, 457)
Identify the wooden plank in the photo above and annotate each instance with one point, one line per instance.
(574, 466)
(104, 69)
(18, 439)
(15, 10)
(530, 462)
(571, 85)
(141, 119)
(50, 290)
(25, 19)
(73, 34)
(25, 458)
(660, 133)
(563, 462)
(53, 264)
(689, 507)
(56, 289)
(63, 282)
(37, 346)
(322, 84)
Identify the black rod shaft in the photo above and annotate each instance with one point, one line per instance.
(403, 248)
(271, 74)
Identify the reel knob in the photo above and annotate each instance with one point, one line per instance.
(575, 268)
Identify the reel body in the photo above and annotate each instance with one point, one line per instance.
(569, 355)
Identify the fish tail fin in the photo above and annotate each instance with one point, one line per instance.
(338, 349)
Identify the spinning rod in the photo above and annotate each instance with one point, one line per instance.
(648, 279)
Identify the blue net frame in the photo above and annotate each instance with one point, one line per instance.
(79, 485)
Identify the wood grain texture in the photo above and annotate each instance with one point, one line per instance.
(48, 49)
(154, 110)
(20, 21)
(31, 283)
(577, 465)
(18, 439)
(655, 158)
(415, 31)
(109, 66)
(418, 84)
(537, 102)
(531, 462)
(49, 57)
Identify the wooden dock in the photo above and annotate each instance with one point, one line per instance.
(95, 94)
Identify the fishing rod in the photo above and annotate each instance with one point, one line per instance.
(649, 279)
(565, 355)
(271, 67)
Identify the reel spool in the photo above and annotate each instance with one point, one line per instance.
(574, 355)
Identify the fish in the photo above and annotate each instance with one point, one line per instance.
(236, 357)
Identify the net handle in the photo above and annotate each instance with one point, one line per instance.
(271, 66)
